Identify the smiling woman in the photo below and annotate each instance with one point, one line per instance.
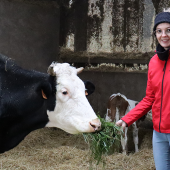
(157, 94)
(163, 35)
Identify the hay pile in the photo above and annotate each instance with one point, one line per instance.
(54, 149)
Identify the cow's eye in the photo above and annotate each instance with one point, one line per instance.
(64, 92)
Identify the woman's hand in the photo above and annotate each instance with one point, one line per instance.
(122, 124)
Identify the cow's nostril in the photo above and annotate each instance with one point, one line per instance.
(95, 124)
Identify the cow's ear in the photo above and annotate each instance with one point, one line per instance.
(90, 87)
(51, 69)
(43, 94)
(46, 90)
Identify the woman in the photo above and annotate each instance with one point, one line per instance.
(157, 95)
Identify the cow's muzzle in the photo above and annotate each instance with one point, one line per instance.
(95, 124)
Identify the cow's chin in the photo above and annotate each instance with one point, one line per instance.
(78, 131)
(72, 126)
(74, 129)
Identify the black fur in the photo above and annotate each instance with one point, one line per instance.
(89, 86)
(22, 107)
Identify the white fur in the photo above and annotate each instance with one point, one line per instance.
(117, 117)
(72, 111)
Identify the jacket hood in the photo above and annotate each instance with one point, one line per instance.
(162, 53)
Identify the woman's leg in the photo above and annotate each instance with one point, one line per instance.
(161, 150)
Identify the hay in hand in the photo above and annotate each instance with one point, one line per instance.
(100, 142)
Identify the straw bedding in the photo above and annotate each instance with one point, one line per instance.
(51, 149)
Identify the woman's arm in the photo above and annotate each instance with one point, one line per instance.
(142, 107)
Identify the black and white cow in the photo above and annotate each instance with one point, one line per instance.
(31, 100)
(118, 106)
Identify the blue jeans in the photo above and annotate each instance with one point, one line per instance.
(161, 150)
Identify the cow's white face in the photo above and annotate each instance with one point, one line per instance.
(73, 112)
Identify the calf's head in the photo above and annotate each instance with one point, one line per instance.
(117, 107)
(73, 112)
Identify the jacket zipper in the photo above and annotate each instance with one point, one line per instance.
(162, 95)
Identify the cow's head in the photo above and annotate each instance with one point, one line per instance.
(73, 112)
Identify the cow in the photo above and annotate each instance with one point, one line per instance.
(118, 106)
(31, 100)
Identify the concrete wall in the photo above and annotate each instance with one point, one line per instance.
(111, 25)
(29, 32)
(132, 85)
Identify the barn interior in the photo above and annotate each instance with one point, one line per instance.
(111, 39)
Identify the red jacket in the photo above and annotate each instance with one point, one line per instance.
(157, 96)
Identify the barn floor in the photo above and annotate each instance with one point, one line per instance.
(54, 149)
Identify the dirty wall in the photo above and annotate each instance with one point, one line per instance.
(109, 25)
(110, 31)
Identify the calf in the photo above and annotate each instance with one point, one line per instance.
(118, 106)
(30, 100)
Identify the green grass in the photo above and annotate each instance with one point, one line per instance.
(101, 142)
